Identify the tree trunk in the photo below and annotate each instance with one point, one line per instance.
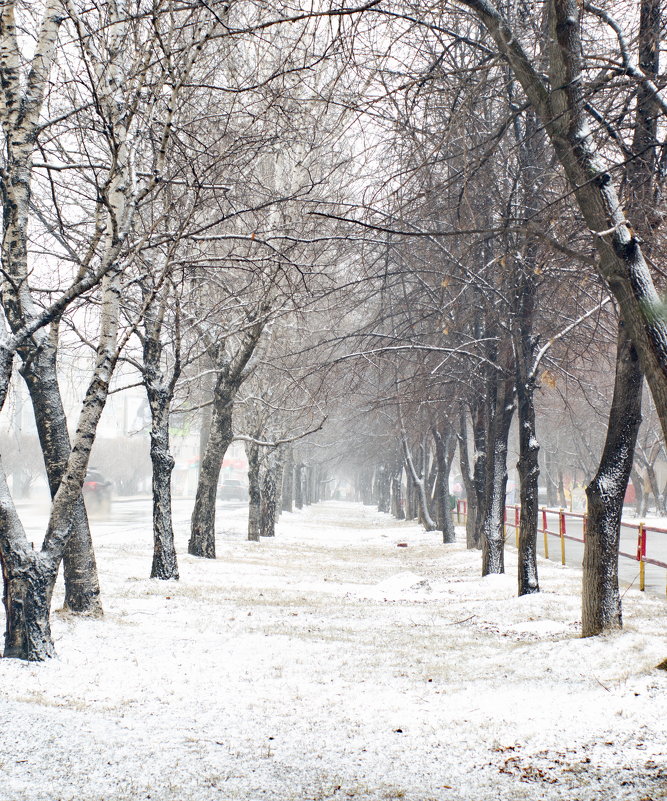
(638, 484)
(529, 472)
(232, 371)
(445, 448)
(288, 482)
(384, 489)
(82, 587)
(561, 489)
(480, 469)
(298, 485)
(601, 603)
(417, 482)
(28, 583)
(202, 535)
(493, 540)
(411, 506)
(397, 508)
(254, 491)
(468, 482)
(551, 475)
(165, 565)
(655, 489)
(269, 502)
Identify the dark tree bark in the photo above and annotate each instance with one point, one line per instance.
(231, 371)
(28, 578)
(288, 482)
(528, 475)
(254, 491)
(561, 489)
(468, 482)
(298, 485)
(269, 495)
(551, 476)
(202, 534)
(601, 603)
(445, 448)
(480, 468)
(638, 484)
(397, 508)
(160, 387)
(411, 504)
(165, 564)
(655, 489)
(28, 583)
(384, 488)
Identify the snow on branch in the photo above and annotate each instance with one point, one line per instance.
(543, 350)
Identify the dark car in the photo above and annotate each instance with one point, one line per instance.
(232, 489)
(96, 491)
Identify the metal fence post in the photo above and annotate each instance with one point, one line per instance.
(641, 553)
(546, 536)
(561, 527)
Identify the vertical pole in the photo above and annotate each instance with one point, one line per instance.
(517, 520)
(505, 524)
(546, 536)
(561, 516)
(641, 553)
(458, 512)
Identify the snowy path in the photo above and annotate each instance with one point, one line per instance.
(332, 664)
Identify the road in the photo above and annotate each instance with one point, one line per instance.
(128, 518)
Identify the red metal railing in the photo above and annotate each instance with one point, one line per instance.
(512, 516)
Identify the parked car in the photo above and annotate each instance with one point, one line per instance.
(232, 489)
(96, 491)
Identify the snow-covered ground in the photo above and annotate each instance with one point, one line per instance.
(333, 664)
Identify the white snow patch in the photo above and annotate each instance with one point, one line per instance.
(329, 664)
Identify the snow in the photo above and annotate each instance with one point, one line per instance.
(331, 664)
